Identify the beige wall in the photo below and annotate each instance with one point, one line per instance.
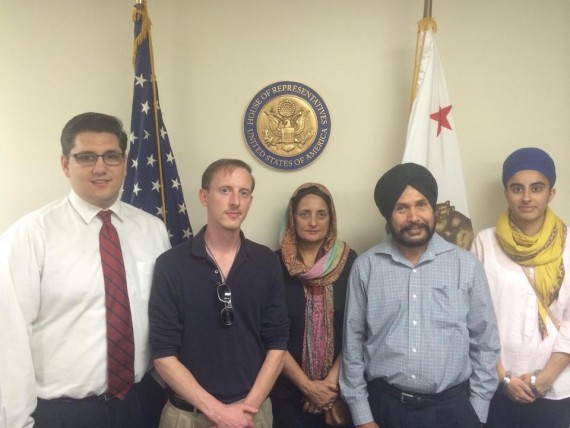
(507, 64)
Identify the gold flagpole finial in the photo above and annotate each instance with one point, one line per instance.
(140, 12)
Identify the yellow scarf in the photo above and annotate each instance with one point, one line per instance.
(543, 251)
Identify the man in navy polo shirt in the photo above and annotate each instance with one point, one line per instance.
(218, 319)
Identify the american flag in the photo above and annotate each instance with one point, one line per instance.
(152, 181)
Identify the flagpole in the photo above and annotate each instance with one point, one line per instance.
(427, 8)
(424, 25)
(157, 130)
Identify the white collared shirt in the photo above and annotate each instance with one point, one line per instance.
(522, 348)
(51, 262)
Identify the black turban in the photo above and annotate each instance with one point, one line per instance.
(392, 184)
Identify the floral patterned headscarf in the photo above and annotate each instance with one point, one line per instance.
(317, 280)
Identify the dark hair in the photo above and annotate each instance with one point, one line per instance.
(91, 122)
(312, 190)
(228, 166)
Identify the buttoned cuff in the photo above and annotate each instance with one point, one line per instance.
(361, 413)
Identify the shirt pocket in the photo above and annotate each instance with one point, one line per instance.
(449, 305)
(144, 279)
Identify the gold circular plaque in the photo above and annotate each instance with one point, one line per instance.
(287, 125)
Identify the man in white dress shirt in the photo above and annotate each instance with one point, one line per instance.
(53, 364)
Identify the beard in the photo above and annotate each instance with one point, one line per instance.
(401, 238)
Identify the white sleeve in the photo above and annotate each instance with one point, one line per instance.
(17, 378)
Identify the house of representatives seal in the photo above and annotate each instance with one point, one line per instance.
(287, 125)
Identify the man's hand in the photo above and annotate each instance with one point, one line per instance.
(368, 425)
(237, 415)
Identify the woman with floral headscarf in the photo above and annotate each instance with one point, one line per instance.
(316, 266)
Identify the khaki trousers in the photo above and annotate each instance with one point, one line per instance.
(173, 417)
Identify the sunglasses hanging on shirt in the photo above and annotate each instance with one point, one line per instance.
(225, 296)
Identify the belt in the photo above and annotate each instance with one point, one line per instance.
(413, 399)
(180, 403)
(105, 397)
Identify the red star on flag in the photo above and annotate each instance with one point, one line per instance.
(441, 118)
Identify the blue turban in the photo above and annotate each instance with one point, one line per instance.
(529, 158)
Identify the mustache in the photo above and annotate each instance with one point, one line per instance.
(413, 226)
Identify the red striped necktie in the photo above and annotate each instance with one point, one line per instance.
(120, 341)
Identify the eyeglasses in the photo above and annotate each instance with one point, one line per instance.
(225, 296)
(90, 159)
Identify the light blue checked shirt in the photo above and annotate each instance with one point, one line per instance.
(422, 328)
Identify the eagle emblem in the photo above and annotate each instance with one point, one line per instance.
(286, 129)
(287, 125)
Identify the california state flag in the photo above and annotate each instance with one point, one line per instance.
(432, 139)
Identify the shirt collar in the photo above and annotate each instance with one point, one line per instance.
(198, 246)
(88, 211)
(436, 245)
